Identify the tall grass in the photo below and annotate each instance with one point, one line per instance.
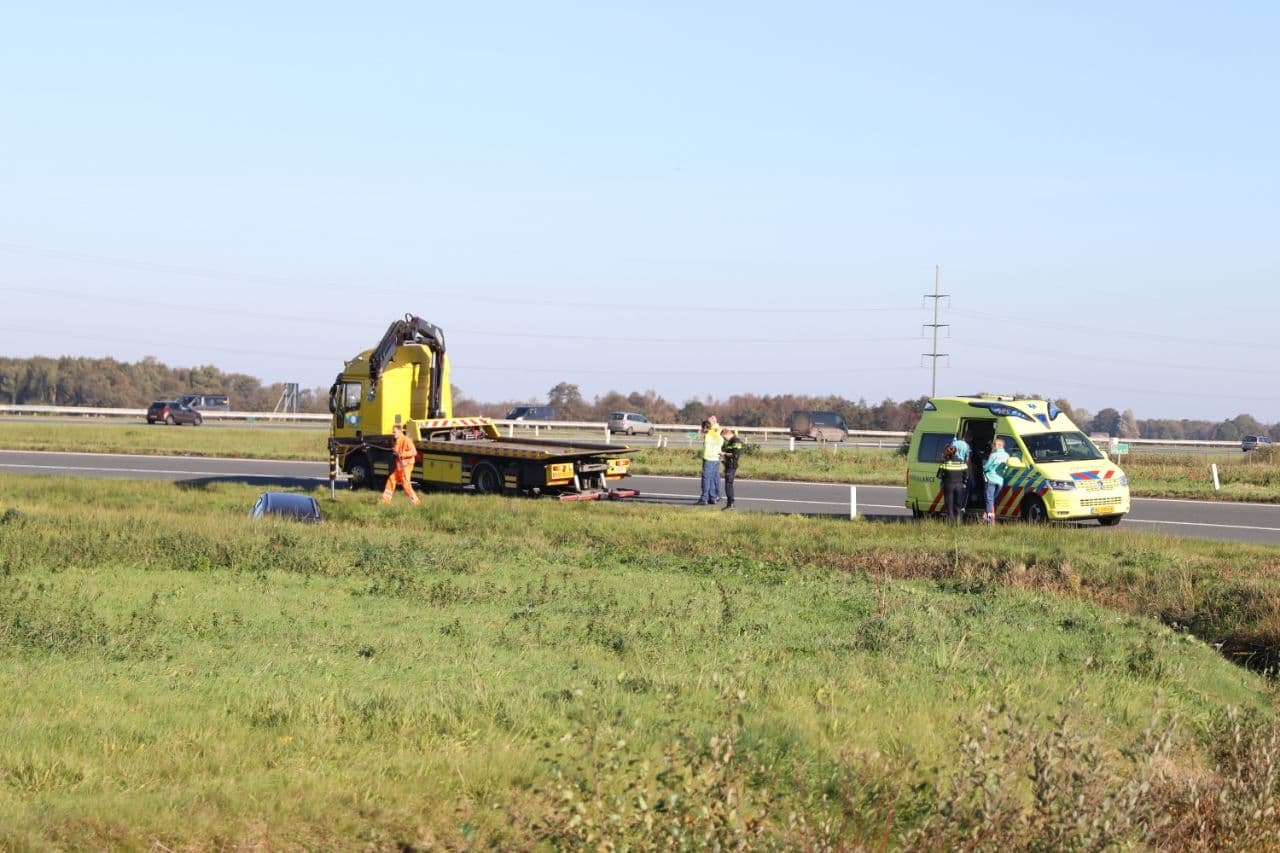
(495, 672)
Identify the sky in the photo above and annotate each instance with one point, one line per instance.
(696, 199)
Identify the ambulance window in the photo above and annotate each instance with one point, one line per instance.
(932, 444)
(1011, 445)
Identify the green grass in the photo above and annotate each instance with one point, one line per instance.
(1251, 476)
(514, 673)
(262, 441)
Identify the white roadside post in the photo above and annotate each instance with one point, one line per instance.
(1214, 469)
(853, 502)
(793, 444)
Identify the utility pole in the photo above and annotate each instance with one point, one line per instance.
(937, 297)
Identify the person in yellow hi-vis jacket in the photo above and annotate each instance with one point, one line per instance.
(406, 458)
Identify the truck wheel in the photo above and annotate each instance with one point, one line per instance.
(487, 479)
(1109, 520)
(359, 472)
(1033, 511)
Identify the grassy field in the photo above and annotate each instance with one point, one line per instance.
(1251, 476)
(490, 672)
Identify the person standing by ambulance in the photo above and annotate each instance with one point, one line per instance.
(993, 475)
(963, 450)
(952, 478)
(406, 458)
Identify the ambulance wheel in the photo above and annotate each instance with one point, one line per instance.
(1110, 520)
(486, 478)
(916, 512)
(1033, 511)
(359, 472)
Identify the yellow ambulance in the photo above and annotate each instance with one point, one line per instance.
(1054, 473)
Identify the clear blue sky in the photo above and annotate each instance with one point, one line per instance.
(699, 199)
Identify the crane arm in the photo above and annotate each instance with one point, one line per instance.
(412, 330)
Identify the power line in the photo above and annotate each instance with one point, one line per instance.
(1033, 381)
(455, 294)
(1128, 362)
(1021, 322)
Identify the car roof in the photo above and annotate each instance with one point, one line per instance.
(286, 504)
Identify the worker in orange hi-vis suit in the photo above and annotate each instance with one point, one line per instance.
(406, 458)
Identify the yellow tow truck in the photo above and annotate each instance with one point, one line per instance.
(405, 380)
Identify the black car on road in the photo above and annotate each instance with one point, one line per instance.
(172, 412)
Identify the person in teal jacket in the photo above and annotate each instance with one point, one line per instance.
(962, 451)
(993, 473)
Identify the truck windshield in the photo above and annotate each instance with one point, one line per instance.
(1060, 447)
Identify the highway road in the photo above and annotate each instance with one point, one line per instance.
(1235, 522)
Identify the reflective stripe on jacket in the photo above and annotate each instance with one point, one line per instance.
(406, 453)
(732, 450)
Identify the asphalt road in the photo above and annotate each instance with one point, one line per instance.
(1235, 522)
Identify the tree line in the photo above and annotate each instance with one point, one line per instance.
(756, 410)
(108, 383)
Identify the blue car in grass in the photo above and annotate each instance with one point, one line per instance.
(286, 505)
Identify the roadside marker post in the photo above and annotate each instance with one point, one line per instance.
(853, 502)
(1214, 469)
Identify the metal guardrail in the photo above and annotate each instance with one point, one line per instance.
(666, 432)
(860, 438)
(212, 414)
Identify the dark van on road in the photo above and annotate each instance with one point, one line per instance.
(819, 426)
(206, 402)
(531, 413)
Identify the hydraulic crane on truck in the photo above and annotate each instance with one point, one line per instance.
(404, 380)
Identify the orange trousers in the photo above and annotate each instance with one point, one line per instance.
(400, 474)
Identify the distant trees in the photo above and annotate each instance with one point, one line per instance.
(1106, 421)
(568, 402)
(1166, 429)
(1240, 425)
(108, 383)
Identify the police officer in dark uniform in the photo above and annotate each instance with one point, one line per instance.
(953, 476)
(730, 453)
